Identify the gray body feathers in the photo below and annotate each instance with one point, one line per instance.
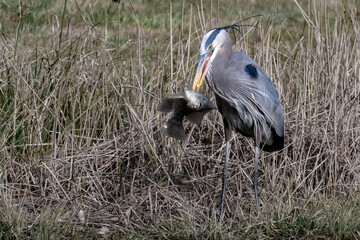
(247, 99)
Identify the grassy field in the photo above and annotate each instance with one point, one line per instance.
(82, 155)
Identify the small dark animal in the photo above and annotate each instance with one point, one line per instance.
(191, 105)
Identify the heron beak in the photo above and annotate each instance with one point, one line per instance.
(201, 71)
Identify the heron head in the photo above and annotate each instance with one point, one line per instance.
(209, 47)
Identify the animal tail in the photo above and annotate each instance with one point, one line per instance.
(174, 129)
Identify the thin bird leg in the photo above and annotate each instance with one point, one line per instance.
(225, 172)
(257, 154)
(257, 151)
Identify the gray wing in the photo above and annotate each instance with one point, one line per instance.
(270, 102)
(196, 117)
(244, 84)
(174, 128)
(171, 102)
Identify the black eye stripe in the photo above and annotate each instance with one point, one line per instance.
(212, 36)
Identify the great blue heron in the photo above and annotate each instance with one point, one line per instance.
(245, 96)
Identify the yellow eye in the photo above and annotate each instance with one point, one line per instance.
(210, 46)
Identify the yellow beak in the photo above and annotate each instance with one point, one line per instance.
(201, 71)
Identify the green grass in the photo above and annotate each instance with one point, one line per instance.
(82, 155)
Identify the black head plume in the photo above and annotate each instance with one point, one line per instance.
(237, 26)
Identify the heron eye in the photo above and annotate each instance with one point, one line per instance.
(210, 46)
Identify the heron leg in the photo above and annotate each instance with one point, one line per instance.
(225, 171)
(257, 153)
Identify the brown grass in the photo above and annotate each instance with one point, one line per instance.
(81, 139)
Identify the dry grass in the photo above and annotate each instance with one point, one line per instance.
(82, 154)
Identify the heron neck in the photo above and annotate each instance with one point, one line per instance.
(220, 61)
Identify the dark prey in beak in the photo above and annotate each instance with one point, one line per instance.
(191, 105)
